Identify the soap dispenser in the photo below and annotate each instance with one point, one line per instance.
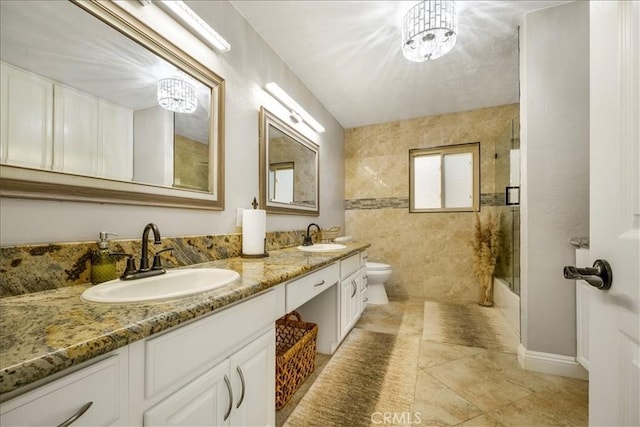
(103, 264)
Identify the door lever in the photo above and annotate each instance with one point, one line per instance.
(599, 276)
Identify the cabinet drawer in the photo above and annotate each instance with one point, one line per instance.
(175, 358)
(302, 290)
(349, 265)
(364, 257)
(101, 383)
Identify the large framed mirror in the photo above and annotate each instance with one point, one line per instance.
(289, 168)
(96, 106)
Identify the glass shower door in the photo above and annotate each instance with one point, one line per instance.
(507, 184)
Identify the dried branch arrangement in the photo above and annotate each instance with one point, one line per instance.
(486, 245)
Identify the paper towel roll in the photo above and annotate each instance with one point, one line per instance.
(254, 227)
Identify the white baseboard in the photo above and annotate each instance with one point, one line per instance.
(549, 363)
(507, 302)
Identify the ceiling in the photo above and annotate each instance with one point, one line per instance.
(348, 54)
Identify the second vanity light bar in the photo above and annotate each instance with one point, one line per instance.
(186, 15)
(290, 103)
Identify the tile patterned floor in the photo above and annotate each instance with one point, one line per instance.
(469, 386)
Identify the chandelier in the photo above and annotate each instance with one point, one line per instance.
(177, 94)
(429, 30)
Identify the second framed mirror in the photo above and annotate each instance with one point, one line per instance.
(289, 168)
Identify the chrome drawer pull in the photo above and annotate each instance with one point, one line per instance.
(319, 284)
(228, 383)
(77, 415)
(242, 382)
(355, 288)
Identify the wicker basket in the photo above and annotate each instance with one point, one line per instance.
(295, 354)
(329, 234)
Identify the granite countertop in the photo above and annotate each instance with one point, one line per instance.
(46, 332)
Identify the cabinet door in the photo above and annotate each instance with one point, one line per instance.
(349, 303)
(26, 110)
(354, 280)
(205, 401)
(346, 290)
(253, 373)
(363, 288)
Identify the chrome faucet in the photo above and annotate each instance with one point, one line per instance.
(307, 240)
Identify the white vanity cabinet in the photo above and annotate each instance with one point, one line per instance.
(302, 290)
(219, 370)
(102, 384)
(238, 391)
(335, 309)
(363, 281)
(349, 303)
(350, 293)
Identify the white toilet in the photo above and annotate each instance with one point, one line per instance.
(377, 274)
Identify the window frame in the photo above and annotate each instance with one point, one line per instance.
(473, 148)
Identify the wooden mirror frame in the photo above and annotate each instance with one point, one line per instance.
(267, 119)
(29, 183)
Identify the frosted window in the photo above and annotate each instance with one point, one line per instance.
(427, 182)
(445, 178)
(458, 177)
(514, 167)
(281, 182)
(283, 186)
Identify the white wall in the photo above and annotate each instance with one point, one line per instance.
(249, 65)
(555, 170)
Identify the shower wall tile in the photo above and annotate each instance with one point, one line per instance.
(430, 253)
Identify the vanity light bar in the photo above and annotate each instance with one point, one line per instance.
(288, 102)
(188, 17)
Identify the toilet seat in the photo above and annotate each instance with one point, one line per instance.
(377, 266)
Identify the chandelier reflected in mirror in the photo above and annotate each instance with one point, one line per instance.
(177, 94)
(429, 30)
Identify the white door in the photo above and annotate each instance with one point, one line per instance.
(615, 211)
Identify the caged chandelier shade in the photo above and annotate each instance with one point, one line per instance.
(177, 94)
(429, 30)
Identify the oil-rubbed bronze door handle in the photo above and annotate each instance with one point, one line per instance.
(599, 276)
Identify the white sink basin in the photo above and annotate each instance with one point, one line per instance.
(172, 284)
(322, 247)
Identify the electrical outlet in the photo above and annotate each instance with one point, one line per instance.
(238, 217)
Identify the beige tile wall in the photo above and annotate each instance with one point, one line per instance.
(191, 168)
(429, 252)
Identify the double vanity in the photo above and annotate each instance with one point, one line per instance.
(145, 352)
(202, 359)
